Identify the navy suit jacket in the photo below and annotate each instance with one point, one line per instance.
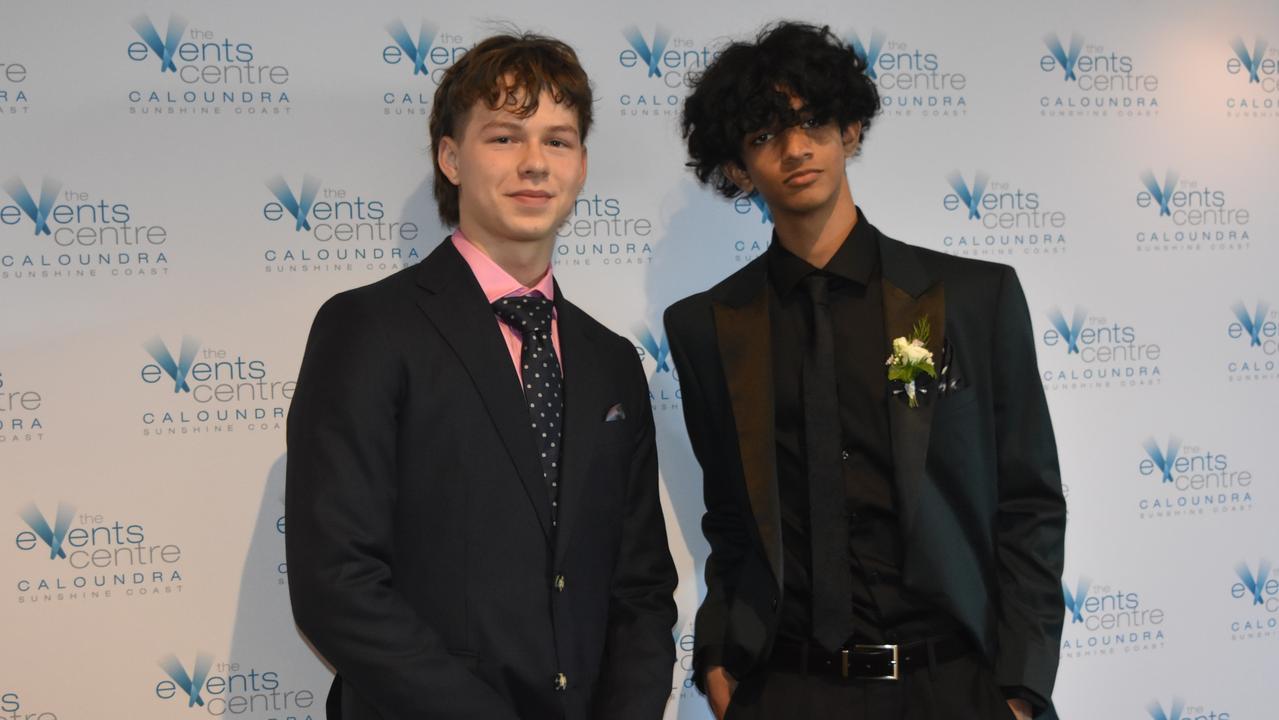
(422, 563)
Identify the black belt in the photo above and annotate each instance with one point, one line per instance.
(867, 662)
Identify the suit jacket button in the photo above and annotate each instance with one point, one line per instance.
(559, 583)
(561, 681)
(774, 603)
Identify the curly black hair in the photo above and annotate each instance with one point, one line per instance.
(749, 86)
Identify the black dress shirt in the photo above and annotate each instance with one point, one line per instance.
(883, 609)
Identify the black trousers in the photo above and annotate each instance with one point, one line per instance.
(961, 689)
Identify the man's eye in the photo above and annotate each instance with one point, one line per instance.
(810, 123)
(501, 139)
(761, 138)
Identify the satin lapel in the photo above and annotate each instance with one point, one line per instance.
(910, 426)
(456, 305)
(586, 399)
(745, 347)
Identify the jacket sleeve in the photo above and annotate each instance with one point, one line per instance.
(340, 499)
(639, 656)
(725, 526)
(1032, 511)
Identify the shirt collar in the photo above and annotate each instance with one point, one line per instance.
(855, 260)
(494, 281)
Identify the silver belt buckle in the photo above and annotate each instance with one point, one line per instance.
(896, 674)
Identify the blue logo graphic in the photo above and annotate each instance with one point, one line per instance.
(868, 54)
(38, 212)
(1075, 602)
(177, 370)
(1251, 62)
(651, 55)
(1252, 324)
(1254, 583)
(970, 196)
(54, 536)
(419, 50)
(766, 215)
(190, 684)
(166, 48)
(1066, 59)
(1069, 331)
(1161, 194)
(659, 350)
(299, 206)
(1156, 710)
(1163, 459)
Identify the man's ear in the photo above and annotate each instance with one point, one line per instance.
(852, 138)
(446, 156)
(738, 175)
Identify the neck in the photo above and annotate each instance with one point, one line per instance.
(526, 261)
(815, 235)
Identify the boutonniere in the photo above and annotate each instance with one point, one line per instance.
(910, 359)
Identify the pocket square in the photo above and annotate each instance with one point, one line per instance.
(615, 414)
(948, 377)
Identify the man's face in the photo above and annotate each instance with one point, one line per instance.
(517, 177)
(797, 169)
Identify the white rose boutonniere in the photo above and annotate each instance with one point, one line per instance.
(910, 359)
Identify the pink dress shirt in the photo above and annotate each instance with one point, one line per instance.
(496, 284)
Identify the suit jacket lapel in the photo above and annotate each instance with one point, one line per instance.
(456, 305)
(910, 294)
(745, 345)
(585, 400)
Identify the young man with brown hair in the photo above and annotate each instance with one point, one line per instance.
(886, 538)
(474, 524)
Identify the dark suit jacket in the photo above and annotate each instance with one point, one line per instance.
(975, 472)
(421, 564)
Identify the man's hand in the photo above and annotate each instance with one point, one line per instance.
(720, 686)
(1021, 708)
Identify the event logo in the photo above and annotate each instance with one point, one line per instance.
(203, 73)
(12, 705)
(211, 390)
(20, 410)
(1188, 480)
(13, 93)
(73, 234)
(912, 81)
(750, 205)
(1260, 65)
(654, 351)
(658, 71)
(282, 567)
(1091, 80)
(1091, 352)
(1254, 342)
(1103, 620)
(428, 55)
(219, 688)
(1256, 595)
(1190, 215)
(345, 231)
(604, 230)
(1179, 710)
(1000, 218)
(85, 556)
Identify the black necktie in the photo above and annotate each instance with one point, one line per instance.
(530, 315)
(831, 578)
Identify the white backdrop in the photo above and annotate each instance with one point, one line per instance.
(142, 242)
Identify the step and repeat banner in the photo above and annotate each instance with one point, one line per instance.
(158, 279)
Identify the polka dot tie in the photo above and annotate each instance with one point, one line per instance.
(530, 315)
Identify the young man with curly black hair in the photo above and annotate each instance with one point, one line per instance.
(883, 499)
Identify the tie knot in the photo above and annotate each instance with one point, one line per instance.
(528, 314)
(818, 287)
